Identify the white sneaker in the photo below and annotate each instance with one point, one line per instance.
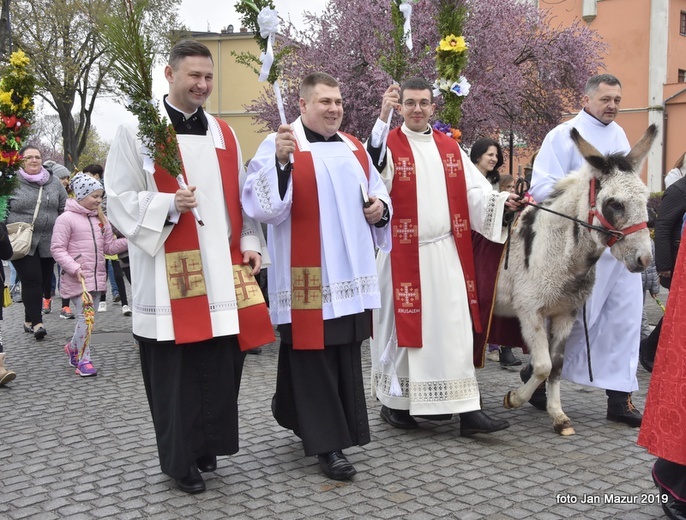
(126, 310)
(102, 307)
(493, 355)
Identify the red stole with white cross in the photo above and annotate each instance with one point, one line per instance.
(407, 296)
(307, 320)
(187, 290)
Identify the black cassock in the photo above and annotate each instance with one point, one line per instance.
(192, 390)
(320, 393)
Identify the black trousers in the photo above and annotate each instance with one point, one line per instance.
(192, 391)
(649, 344)
(320, 396)
(671, 476)
(118, 281)
(36, 283)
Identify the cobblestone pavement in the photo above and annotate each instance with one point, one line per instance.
(80, 448)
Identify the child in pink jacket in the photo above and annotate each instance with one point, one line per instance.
(81, 238)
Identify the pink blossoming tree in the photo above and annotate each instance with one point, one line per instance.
(524, 70)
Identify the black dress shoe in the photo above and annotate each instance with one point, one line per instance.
(39, 333)
(478, 422)
(539, 399)
(673, 508)
(207, 463)
(644, 360)
(191, 483)
(398, 418)
(621, 409)
(336, 466)
(508, 359)
(28, 329)
(436, 417)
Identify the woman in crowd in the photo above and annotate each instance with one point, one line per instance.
(6, 375)
(667, 239)
(487, 156)
(63, 175)
(663, 431)
(677, 172)
(35, 269)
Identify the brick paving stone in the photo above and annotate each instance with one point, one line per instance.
(34, 513)
(85, 448)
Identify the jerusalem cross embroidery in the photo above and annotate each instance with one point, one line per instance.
(451, 165)
(404, 229)
(248, 292)
(306, 288)
(404, 168)
(471, 286)
(460, 225)
(406, 295)
(185, 276)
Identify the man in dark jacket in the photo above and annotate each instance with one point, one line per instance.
(667, 239)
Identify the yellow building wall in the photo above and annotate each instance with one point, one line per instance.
(235, 86)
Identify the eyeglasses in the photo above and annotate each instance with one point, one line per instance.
(30, 157)
(410, 104)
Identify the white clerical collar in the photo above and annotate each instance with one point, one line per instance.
(426, 135)
(595, 119)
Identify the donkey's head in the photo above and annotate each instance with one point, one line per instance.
(620, 199)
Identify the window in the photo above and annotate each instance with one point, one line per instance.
(682, 23)
(682, 76)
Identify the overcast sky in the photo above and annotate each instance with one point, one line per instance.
(197, 15)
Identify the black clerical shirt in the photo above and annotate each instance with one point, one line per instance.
(193, 125)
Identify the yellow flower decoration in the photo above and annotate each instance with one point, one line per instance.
(19, 59)
(452, 43)
(6, 97)
(17, 88)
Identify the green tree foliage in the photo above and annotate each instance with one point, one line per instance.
(47, 136)
(95, 151)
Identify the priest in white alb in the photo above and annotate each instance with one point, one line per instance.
(196, 305)
(614, 310)
(422, 353)
(327, 209)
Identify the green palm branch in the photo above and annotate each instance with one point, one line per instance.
(133, 56)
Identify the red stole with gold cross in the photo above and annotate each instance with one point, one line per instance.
(190, 306)
(307, 321)
(407, 296)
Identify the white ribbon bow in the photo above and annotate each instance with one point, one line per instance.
(406, 9)
(268, 20)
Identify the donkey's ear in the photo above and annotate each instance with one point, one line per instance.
(639, 152)
(587, 149)
(599, 165)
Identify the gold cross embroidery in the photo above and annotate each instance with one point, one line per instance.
(459, 225)
(405, 230)
(404, 169)
(185, 276)
(248, 292)
(306, 287)
(407, 295)
(451, 164)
